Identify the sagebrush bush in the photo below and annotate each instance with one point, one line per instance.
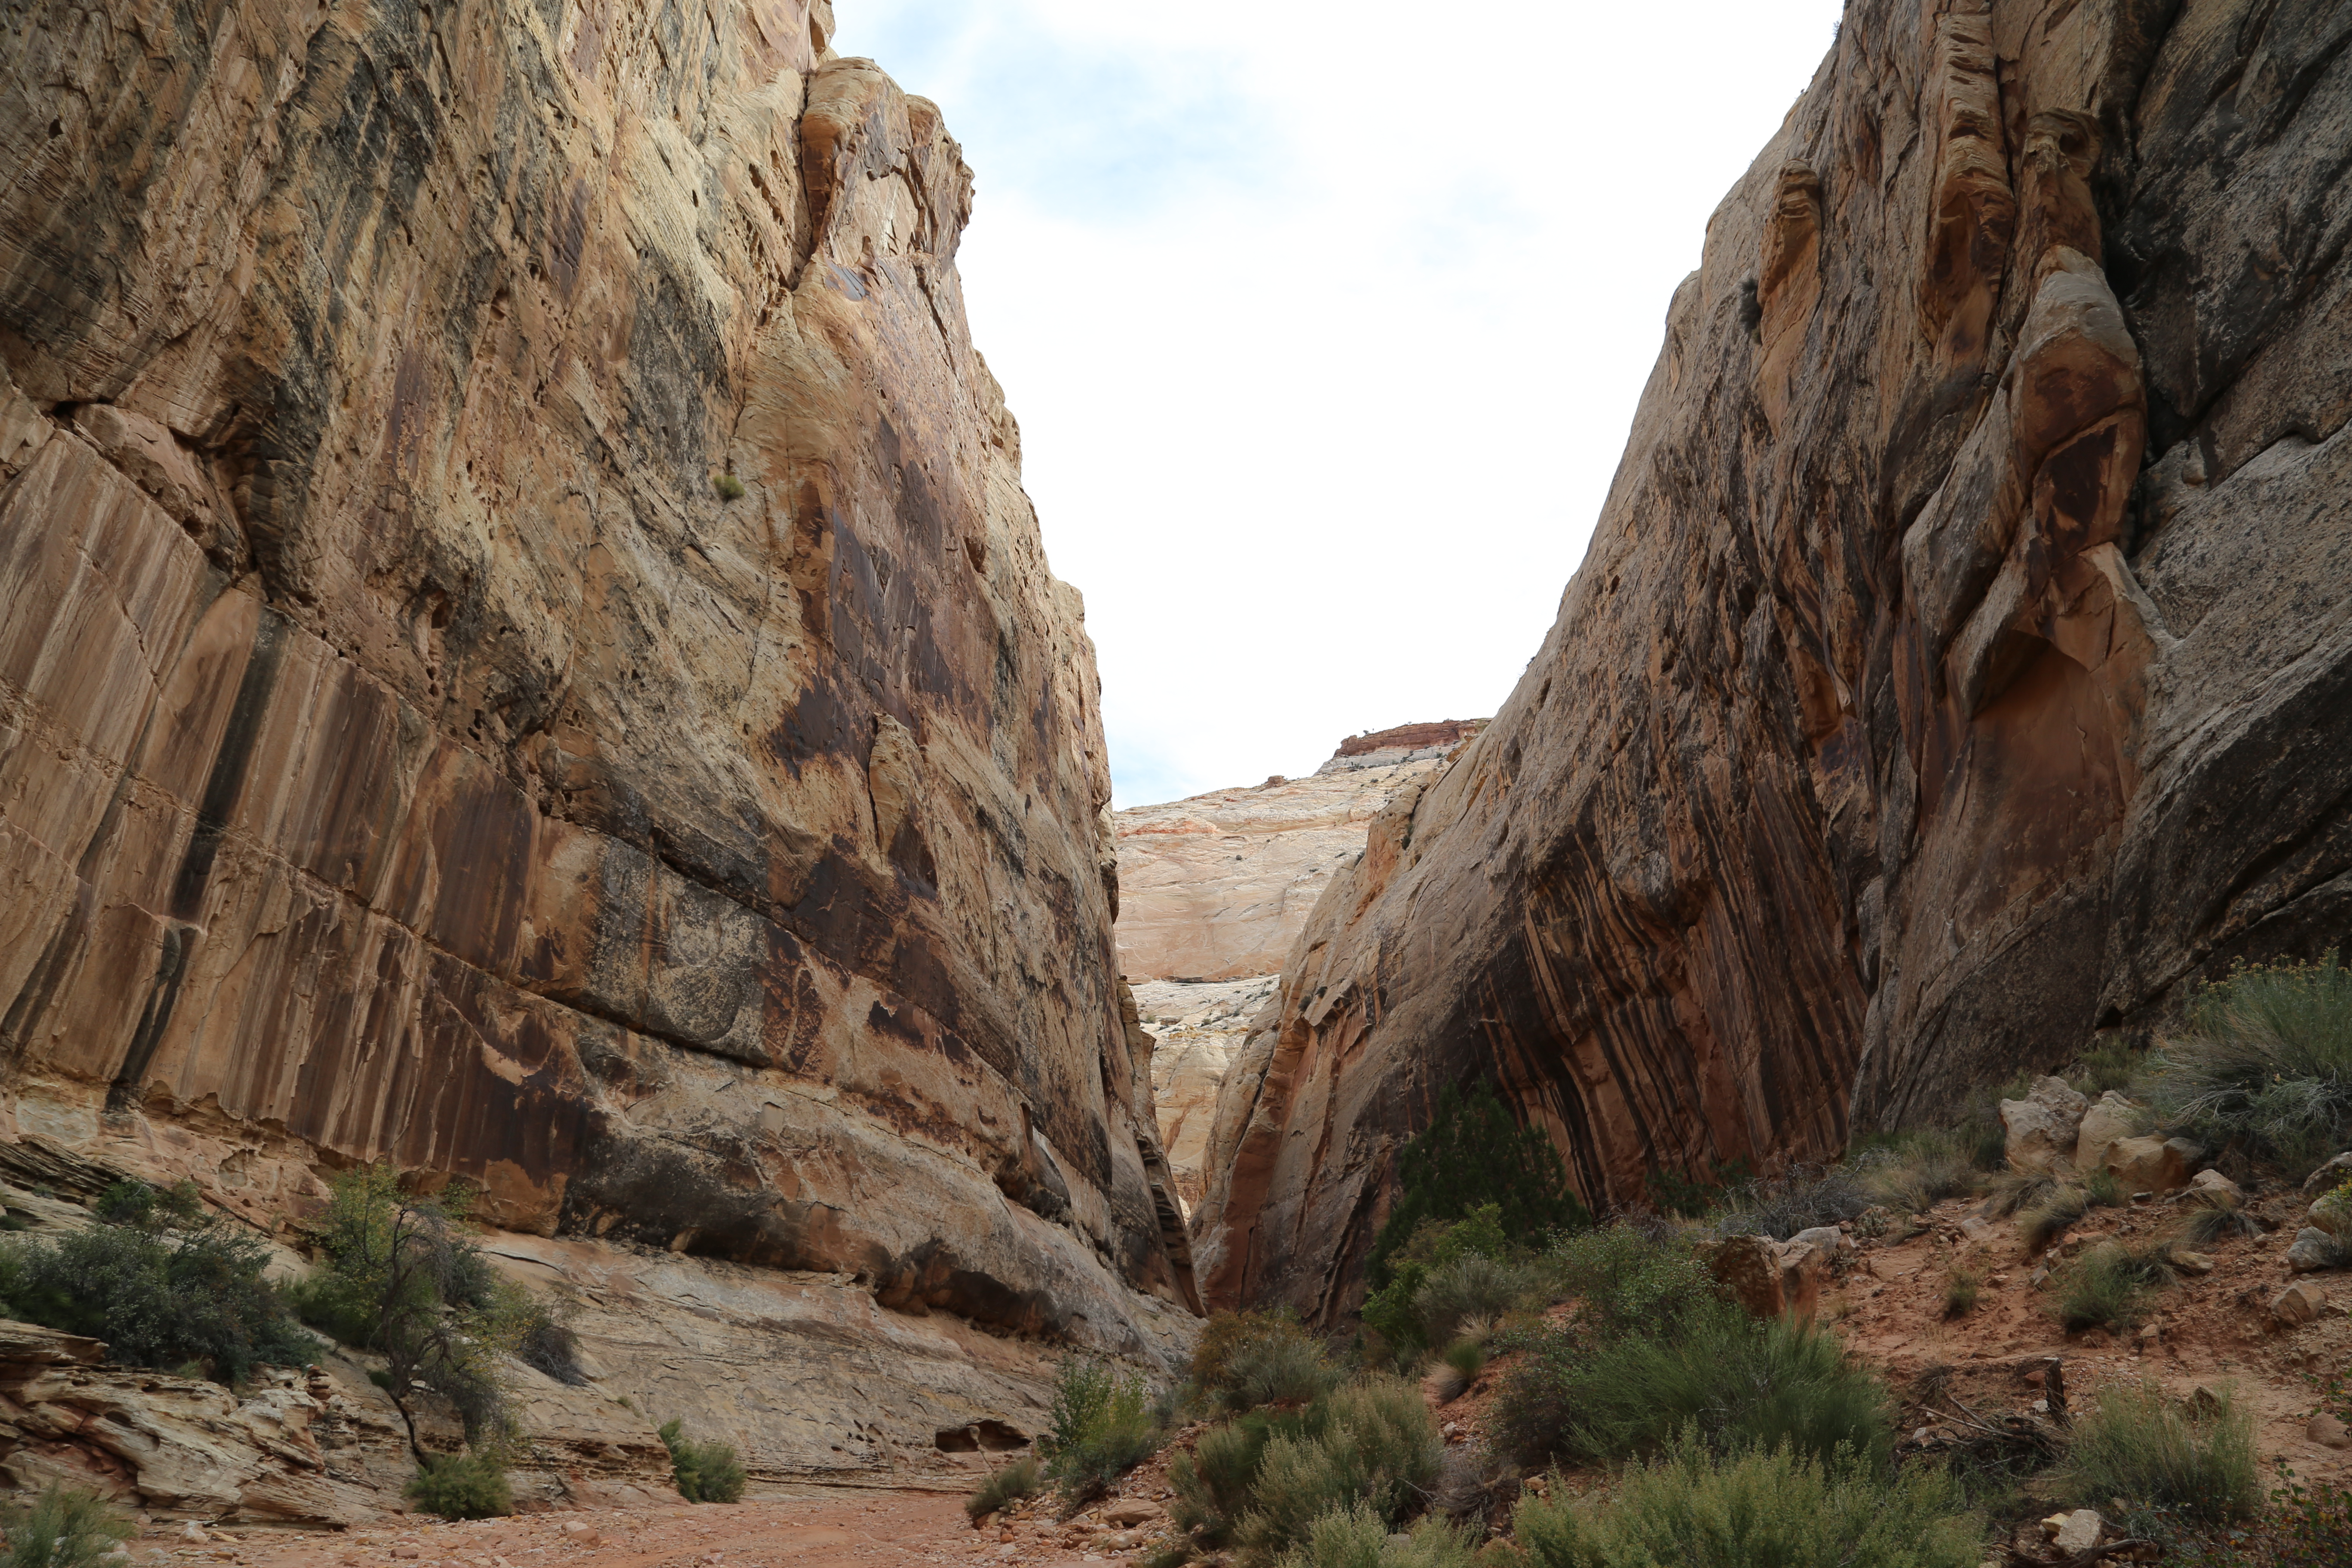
(461, 1485)
(1757, 1507)
(1101, 1428)
(1735, 1381)
(1800, 1198)
(163, 1281)
(1629, 1280)
(1357, 1537)
(1436, 1250)
(1241, 1356)
(2108, 1287)
(2262, 1064)
(61, 1528)
(1370, 1443)
(703, 1472)
(1276, 1371)
(1471, 1287)
(2161, 1456)
(1212, 1484)
(1010, 1485)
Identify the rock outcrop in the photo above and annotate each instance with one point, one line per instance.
(523, 653)
(1959, 664)
(1196, 1028)
(1218, 886)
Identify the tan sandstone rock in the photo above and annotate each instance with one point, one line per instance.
(1902, 725)
(2044, 1126)
(1218, 886)
(2150, 1164)
(411, 750)
(2109, 1120)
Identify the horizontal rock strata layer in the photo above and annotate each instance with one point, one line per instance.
(523, 653)
(1218, 886)
(1959, 665)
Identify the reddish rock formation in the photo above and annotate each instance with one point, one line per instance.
(1443, 734)
(1960, 664)
(523, 653)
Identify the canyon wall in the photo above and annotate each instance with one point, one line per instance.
(1959, 666)
(523, 653)
(1218, 886)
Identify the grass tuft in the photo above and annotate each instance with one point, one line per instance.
(2161, 1456)
(1009, 1485)
(64, 1528)
(1961, 1288)
(2053, 1216)
(2263, 1064)
(2108, 1287)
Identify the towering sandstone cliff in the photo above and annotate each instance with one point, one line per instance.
(408, 751)
(1962, 659)
(1218, 886)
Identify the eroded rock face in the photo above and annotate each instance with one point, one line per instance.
(1217, 887)
(1958, 666)
(1196, 1030)
(409, 750)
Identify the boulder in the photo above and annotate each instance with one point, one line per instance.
(1804, 1268)
(2215, 1187)
(2315, 1248)
(2299, 1304)
(2192, 1263)
(2328, 1432)
(2113, 1118)
(2151, 1164)
(2043, 1127)
(2077, 1531)
(2334, 1173)
(2332, 1214)
(1127, 1512)
(1748, 1267)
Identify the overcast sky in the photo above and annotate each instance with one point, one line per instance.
(1324, 322)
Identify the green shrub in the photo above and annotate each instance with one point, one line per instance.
(461, 1485)
(1472, 1287)
(2108, 1286)
(1768, 1507)
(1737, 1382)
(1101, 1429)
(1276, 1370)
(1371, 1443)
(705, 1472)
(1212, 1484)
(163, 1281)
(1357, 1537)
(2162, 1456)
(63, 1529)
(1236, 1357)
(2263, 1064)
(1962, 1287)
(2105, 1189)
(729, 487)
(1467, 1358)
(1630, 1280)
(1010, 1485)
(1473, 1155)
(400, 1274)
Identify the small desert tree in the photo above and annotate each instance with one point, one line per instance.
(1473, 1155)
(403, 1277)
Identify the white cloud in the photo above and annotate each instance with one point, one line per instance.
(1325, 324)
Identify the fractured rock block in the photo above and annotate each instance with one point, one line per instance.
(2043, 1127)
(2104, 1125)
(2151, 1164)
